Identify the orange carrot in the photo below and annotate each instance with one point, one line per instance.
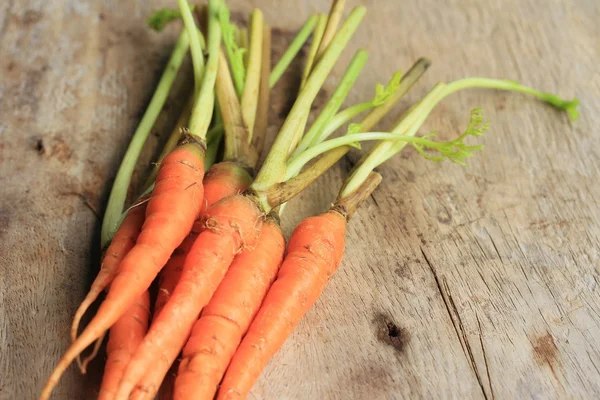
(124, 337)
(314, 253)
(171, 211)
(225, 319)
(121, 244)
(231, 224)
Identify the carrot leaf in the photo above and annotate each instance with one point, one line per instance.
(160, 18)
(384, 93)
(454, 150)
(354, 128)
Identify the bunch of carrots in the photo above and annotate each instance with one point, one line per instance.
(230, 291)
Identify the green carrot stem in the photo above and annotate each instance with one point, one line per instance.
(412, 121)
(235, 54)
(203, 106)
(116, 200)
(377, 111)
(296, 164)
(314, 47)
(249, 100)
(335, 101)
(570, 106)
(275, 165)
(236, 132)
(195, 47)
(262, 112)
(333, 20)
(292, 50)
(380, 151)
(343, 117)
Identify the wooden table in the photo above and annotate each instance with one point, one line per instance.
(457, 282)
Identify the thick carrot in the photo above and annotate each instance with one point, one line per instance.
(231, 224)
(121, 244)
(124, 337)
(314, 252)
(175, 204)
(225, 319)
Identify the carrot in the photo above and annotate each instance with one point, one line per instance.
(170, 213)
(231, 225)
(217, 333)
(121, 244)
(125, 335)
(314, 252)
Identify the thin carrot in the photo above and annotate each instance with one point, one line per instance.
(231, 225)
(121, 244)
(225, 319)
(175, 203)
(124, 338)
(313, 254)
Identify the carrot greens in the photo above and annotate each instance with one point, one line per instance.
(292, 50)
(414, 118)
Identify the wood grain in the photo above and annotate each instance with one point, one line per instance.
(478, 282)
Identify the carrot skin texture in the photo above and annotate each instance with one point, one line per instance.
(170, 213)
(218, 332)
(124, 337)
(121, 244)
(315, 251)
(231, 225)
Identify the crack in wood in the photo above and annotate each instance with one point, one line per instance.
(456, 321)
(485, 359)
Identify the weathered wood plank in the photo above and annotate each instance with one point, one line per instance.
(457, 282)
